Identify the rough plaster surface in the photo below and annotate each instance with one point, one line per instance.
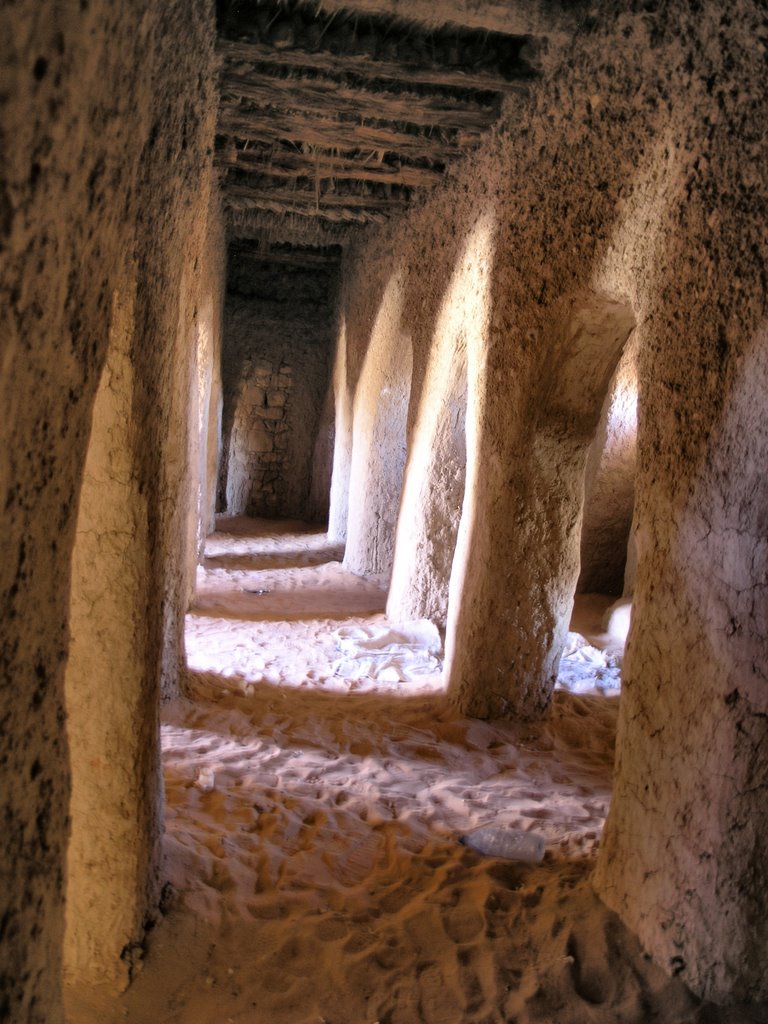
(636, 172)
(206, 406)
(630, 569)
(609, 484)
(698, 871)
(338, 511)
(276, 366)
(112, 674)
(434, 489)
(105, 121)
(112, 855)
(379, 423)
(523, 552)
(318, 503)
(423, 261)
(686, 842)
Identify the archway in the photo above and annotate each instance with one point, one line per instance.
(521, 559)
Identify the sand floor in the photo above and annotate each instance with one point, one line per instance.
(313, 816)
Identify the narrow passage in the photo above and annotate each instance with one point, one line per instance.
(313, 818)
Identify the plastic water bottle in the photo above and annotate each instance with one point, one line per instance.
(509, 843)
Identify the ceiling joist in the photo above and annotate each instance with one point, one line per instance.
(323, 166)
(367, 67)
(341, 216)
(313, 97)
(332, 119)
(326, 133)
(287, 229)
(346, 206)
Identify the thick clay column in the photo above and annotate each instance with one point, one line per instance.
(338, 512)
(206, 405)
(380, 413)
(210, 427)
(198, 411)
(433, 493)
(684, 857)
(518, 561)
(111, 708)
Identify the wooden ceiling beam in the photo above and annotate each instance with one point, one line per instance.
(367, 67)
(287, 95)
(322, 167)
(283, 228)
(332, 206)
(246, 193)
(326, 133)
(270, 204)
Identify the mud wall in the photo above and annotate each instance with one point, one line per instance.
(278, 338)
(115, 665)
(684, 853)
(406, 312)
(105, 122)
(205, 409)
(379, 423)
(434, 488)
(318, 504)
(634, 181)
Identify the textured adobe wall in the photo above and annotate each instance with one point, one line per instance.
(609, 484)
(104, 125)
(318, 503)
(276, 365)
(423, 275)
(630, 569)
(362, 287)
(206, 405)
(433, 494)
(636, 173)
(379, 422)
(686, 843)
(338, 511)
(112, 854)
(113, 672)
(454, 289)
(527, 513)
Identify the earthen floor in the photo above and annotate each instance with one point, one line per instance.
(312, 825)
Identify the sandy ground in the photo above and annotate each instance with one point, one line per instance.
(313, 820)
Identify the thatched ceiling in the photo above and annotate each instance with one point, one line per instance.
(334, 119)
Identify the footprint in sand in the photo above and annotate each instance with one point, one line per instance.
(393, 902)
(391, 956)
(463, 924)
(438, 1004)
(358, 941)
(358, 861)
